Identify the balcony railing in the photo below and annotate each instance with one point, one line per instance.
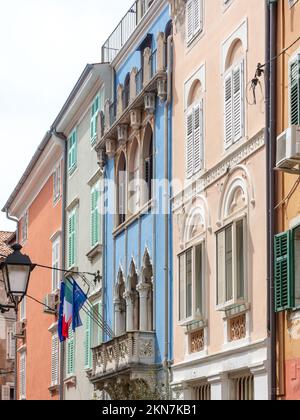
(131, 349)
(125, 28)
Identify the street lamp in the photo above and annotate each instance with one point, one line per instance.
(16, 270)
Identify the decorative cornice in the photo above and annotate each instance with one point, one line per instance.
(218, 171)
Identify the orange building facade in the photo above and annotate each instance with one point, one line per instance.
(37, 204)
(287, 284)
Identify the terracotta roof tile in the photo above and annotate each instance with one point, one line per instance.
(5, 237)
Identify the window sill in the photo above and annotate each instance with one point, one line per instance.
(70, 382)
(133, 218)
(196, 325)
(56, 200)
(53, 389)
(193, 41)
(234, 309)
(72, 171)
(96, 250)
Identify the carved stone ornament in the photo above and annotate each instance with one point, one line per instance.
(136, 119)
(150, 103)
(101, 154)
(146, 348)
(122, 134)
(111, 148)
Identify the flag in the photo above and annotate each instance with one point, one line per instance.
(66, 310)
(79, 299)
(72, 299)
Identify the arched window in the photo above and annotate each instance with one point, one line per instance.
(234, 94)
(134, 184)
(120, 305)
(126, 92)
(122, 189)
(194, 130)
(231, 245)
(148, 163)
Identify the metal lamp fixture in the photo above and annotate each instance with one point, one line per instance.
(16, 270)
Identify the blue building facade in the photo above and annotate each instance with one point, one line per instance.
(135, 152)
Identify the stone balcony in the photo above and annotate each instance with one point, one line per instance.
(123, 357)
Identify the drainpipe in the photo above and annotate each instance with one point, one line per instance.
(167, 205)
(271, 108)
(63, 141)
(13, 219)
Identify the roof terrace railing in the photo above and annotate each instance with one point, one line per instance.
(124, 29)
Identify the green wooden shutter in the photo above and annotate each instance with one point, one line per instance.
(87, 343)
(72, 154)
(295, 91)
(283, 279)
(95, 110)
(72, 239)
(70, 353)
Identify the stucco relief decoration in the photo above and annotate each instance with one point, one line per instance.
(181, 220)
(146, 348)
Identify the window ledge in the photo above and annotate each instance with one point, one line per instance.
(96, 250)
(53, 389)
(71, 381)
(196, 325)
(133, 218)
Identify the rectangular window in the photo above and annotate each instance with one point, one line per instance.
(24, 226)
(72, 152)
(191, 283)
(70, 353)
(56, 264)
(55, 361)
(194, 19)
(234, 104)
(95, 216)
(294, 90)
(57, 184)
(231, 257)
(97, 106)
(72, 238)
(194, 140)
(22, 378)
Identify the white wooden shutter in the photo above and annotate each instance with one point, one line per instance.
(189, 20)
(238, 102)
(198, 137)
(10, 345)
(87, 342)
(228, 110)
(190, 144)
(221, 267)
(70, 353)
(197, 16)
(55, 360)
(22, 383)
(5, 391)
(295, 91)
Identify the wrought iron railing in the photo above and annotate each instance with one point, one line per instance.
(124, 29)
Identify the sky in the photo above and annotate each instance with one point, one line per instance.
(44, 47)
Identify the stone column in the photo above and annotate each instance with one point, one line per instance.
(220, 387)
(119, 317)
(106, 115)
(133, 74)
(143, 289)
(161, 46)
(147, 66)
(261, 388)
(120, 101)
(129, 311)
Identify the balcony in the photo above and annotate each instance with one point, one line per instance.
(125, 356)
(124, 29)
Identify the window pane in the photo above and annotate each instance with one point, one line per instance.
(240, 264)
(198, 280)
(181, 288)
(221, 267)
(228, 263)
(297, 266)
(189, 284)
